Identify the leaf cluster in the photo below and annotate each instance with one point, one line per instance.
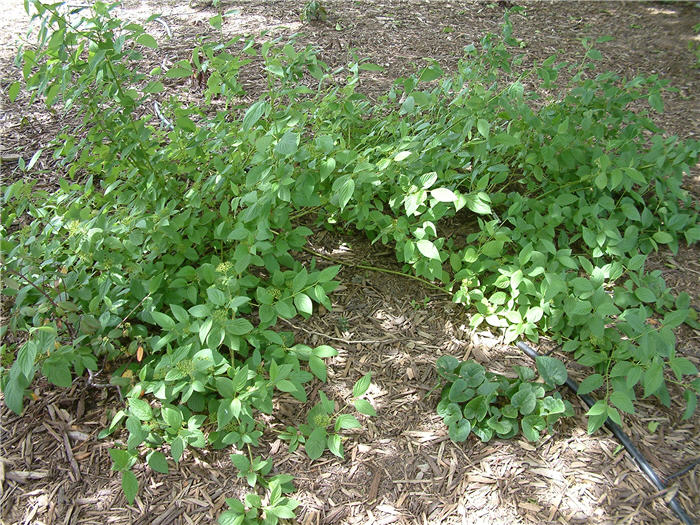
(492, 405)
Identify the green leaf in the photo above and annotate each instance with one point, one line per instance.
(216, 21)
(443, 195)
(524, 400)
(177, 447)
(645, 294)
(240, 326)
(253, 114)
(172, 416)
(163, 320)
(402, 155)
(13, 91)
(361, 386)
(343, 189)
(303, 303)
(364, 407)
(589, 384)
(181, 69)
(663, 237)
(318, 367)
(483, 126)
(216, 296)
(335, 445)
(156, 460)
(147, 40)
(691, 400)
(231, 517)
(478, 203)
(288, 144)
(428, 249)
(199, 311)
(552, 370)
(653, 378)
(324, 351)
(140, 409)
(459, 430)
(241, 462)
(656, 102)
(130, 486)
(285, 309)
(58, 373)
(622, 401)
(346, 421)
(675, 318)
(316, 443)
(180, 313)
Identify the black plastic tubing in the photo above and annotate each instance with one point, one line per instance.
(624, 439)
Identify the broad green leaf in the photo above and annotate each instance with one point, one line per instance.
(303, 303)
(343, 189)
(459, 430)
(428, 249)
(156, 460)
(324, 351)
(364, 407)
(240, 326)
(13, 91)
(315, 443)
(288, 144)
(443, 195)
(590, 384)
(216, 21)
(147, 40)
(253, 114)
(662, 237)
(361, 386)
(130, 486)
(653, 378)
(346, 421)
(216, 296)
(335, 445)
(645, 294)
(552, 370)
(483, 126)
(622, 401)
(141, 409)
(163, 320)
(318, 367)
(691, 400)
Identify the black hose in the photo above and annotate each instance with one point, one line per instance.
(624, 439)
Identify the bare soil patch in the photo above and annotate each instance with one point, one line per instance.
(400, 467)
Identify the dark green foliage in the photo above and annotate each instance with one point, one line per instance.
(491, 405)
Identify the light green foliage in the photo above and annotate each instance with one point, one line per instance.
(324, 423)
(492, 405)
(172, 243)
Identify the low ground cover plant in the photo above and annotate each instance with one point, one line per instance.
(173, 243)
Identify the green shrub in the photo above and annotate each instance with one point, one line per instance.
(170, 247)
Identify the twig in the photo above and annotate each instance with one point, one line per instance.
(164, 120)
(340, 339)
(134, 309)
(91, 382)
(42, 292)
(165, 25)
(378, 269)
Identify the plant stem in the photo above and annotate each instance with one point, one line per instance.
(378, 269)
(71, 332)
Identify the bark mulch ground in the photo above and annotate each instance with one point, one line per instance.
(400, 467)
